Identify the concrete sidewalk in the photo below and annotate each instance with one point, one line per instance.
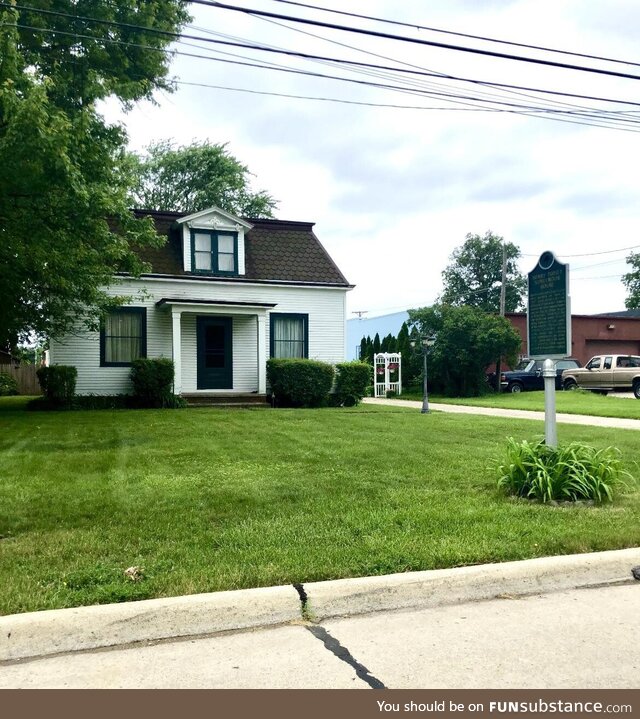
(483, 626)
(615, 422)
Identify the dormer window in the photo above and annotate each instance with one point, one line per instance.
(214, 252)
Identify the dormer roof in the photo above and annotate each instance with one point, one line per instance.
(279, 251)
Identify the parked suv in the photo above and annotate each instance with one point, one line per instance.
(528, 374)
(605, 373)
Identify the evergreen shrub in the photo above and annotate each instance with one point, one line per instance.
(352, 380)
(299, 382)
(8, 385)
(152, 381)
(58, 383)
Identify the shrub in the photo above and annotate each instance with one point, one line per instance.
(152, 381)
(299, 382)
(8, 385)
(352, 381)
(573, 472)
(58, 383)
(99, 401)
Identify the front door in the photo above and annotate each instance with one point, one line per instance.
(214, 353)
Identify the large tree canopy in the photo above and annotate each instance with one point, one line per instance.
(194, 177)
(466, 341)
(631, 281)
(474, 276)
(91, 49)
(64, 174)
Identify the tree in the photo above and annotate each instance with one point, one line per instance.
(64, 174)
(467, 341)
(632, 282)
(474, 276)
(193, 177)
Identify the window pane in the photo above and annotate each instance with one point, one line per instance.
(225, 243)
(288, 337)
(123, 337)
(203, 242)
(203, 260)
(226, 263)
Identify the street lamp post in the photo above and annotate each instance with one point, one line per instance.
(425, 343)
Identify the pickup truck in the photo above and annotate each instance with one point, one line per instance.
(605, 373)
(528, 374)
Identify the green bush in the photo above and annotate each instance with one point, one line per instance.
(99, 401)
(8, 385)
(352, 380)
(573, 472)
(152, 381)
(58, 383)
(299, 382)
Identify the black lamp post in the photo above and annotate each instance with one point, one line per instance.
(425, 343)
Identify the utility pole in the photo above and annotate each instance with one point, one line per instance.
(503, 298)
(503, 286)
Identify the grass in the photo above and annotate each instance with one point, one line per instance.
(210, 499)
(576, 402)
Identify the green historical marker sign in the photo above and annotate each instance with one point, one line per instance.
(549, 311)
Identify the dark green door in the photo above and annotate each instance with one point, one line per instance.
(214, 353)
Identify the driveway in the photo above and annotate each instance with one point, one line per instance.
(614, 422)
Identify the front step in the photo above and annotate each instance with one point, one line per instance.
(203, 399)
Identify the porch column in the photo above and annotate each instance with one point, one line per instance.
(262, 354)
(177, 354)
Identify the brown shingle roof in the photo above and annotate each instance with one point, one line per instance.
(275, 250)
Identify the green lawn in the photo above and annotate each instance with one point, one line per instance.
(576, 402)
(212, 499)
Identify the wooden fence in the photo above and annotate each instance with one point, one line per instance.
(25, 376)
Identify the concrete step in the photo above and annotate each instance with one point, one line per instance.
(202, 399)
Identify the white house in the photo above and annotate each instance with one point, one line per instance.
(223, 295)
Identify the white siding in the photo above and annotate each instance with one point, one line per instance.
(327, 336)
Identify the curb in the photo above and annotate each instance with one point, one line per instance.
(439, 587)
(58, 631)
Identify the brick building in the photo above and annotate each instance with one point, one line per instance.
(612, 332)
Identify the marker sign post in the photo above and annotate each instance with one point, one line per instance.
(549, 328)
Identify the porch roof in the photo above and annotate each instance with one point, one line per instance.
(169, 301)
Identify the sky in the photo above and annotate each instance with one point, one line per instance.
(392, 190)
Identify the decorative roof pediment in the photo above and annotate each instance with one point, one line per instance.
(214, 218)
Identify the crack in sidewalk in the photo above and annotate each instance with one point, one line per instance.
(332, 644)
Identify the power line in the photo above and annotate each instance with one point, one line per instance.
(421, 73)
(417, 41)
(308, 56)
(333, 99)
(604, 252)
(415, 26)
(551, 113)
(591, 254)
(584, 113)
(570, 117)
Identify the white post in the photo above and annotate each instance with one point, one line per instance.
(399, 373)
(177, 353)
(549, 374)
(387, 380)
(262, 353)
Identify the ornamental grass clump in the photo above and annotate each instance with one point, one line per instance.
(571, 473)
